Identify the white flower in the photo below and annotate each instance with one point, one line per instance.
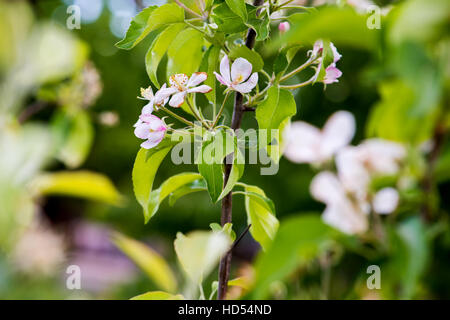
(151, 128)
(385, 201)
(308, 144)
(241, 78)
(157, 99)
(181, 85)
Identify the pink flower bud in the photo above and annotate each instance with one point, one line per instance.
(284, 27)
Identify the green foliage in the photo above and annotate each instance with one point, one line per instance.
(251, 55)
(158, 295)
(83, 184)
(150, 19)
(238, 7)
(150, 262)
(300, 239)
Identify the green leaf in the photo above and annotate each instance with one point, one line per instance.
(261, 23)
(237, 170)
(158, 295)
(167, 187)
(251, 55)
(238, 7)
(227, 21)
(145, 166)
(261, 215)
(210, 161)
(299, 239)
(185, 52)
(195, 186)
(343, 26)
(83, 184)
(210, 63)
(275, 109)
(150, 19)
(200, 251)
(76, 134)
(409, 257)
(148, 260)
(159, 48)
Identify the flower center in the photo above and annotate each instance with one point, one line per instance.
(238, 79)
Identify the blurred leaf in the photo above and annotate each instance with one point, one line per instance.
(77, 136)
(185, 52)
(227, 229)
(409, 257)
(145, 166)
(148, 260)
(167, 187)
(200, 251)
(158, 49)
(276, 108)
(261, 215)
(195, 186)
(300, 239)
(241, 282)
(429, 18)
(238, 7)
(442, 168)
(158, 295)
(149, 19)
(342, 26)
(83, 184)
(241, 51)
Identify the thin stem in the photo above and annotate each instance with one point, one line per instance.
(222, 107)
(299, 85)
(196, 115)
(173, 114)
(196, 28)
(178, 2)
(302, 67)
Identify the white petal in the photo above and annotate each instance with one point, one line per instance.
(154, 139)
(351, 170)
(197, 78)
(148, 108)
(142, 131)
(163, 94)
(240, 70)
(247, 86)
(302, 142)
(225, 69)
(383, 156)
(177, 99)
(202, 89)
(178, 80)
(222, 79)
(385, 201)
(325, 187)
(336, 55)
(337, 132)
(345, 218)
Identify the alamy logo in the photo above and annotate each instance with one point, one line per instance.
(74, 20)
(73, 281)
(374, 280)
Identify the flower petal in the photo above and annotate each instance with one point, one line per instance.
(153, 140)
(351, 171)
(202, 89)
(142, 131)
(197, 78)
(148, 108)
(247, 86)
(178, 80)
(345, 217)
(163, 94)
(337, 132)
(332, 74)
(302, 141)
(385, 201)
(326, 187)
(336, 55)
(221, 79)
(382, 156)
(225, 69)
(240, 70)
(177, 99)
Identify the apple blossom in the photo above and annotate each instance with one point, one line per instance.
(151, 128)
(308, 144)
(157, 99)
(332, 73)
(284, 27)
(241, 78)
(181, 85)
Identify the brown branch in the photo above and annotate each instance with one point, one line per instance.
(226, 216)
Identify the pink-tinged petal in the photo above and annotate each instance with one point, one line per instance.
(163, 94)
(302, 141)
(154, 139)
(202, 89)
(326, 187)
(177, 99)
(284, 27)
(148, 108)
(225, 69)
(240, 70)
(317, 48)
(337, 132)
(336, 55)
(221, 79)
(385, 201)
(142, 131)
(137, 123)
(157, 124)
(196, 79)
(332, 74)
(247, 86)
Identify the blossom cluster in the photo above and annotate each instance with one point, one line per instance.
(332, 73)
(150, 127)
(347, 193)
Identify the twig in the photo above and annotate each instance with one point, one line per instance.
(235, 243)
(226, 215)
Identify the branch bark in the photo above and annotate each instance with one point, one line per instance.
(226, 216)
